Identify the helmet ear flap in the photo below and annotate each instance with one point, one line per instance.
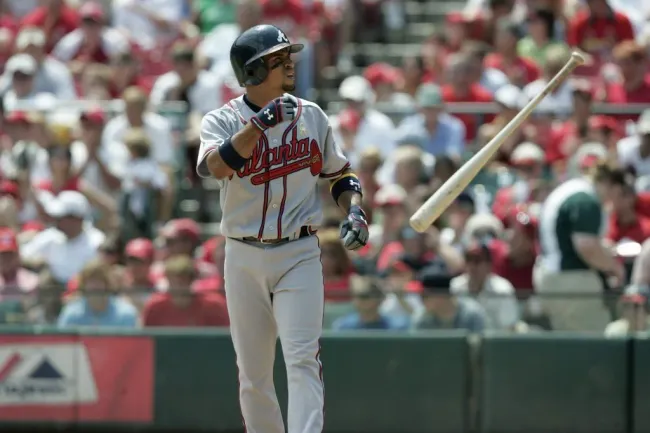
(256, 72)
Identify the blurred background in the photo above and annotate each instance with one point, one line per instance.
(104, 222)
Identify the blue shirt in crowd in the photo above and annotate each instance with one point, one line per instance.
(448, 138)
(118, 313)
(469, 316)
(353, 321)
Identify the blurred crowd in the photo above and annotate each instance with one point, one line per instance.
(101, 103)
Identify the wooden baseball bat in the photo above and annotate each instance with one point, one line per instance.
(447, 193)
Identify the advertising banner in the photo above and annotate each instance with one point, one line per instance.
(76, 378)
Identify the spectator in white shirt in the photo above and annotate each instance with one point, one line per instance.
(634, 151)
(561, 99)
(149, 22)
(52, 76)
(66, 248)
(494, 293)
(371, 128)
(157, 128)
(187, 83)
(22, 70)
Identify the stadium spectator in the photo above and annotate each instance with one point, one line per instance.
(370, 161)
(515, 258)
(22, 69)
(626, 221)
(157, 129)
(494, 293)
(46, 308)
(528, 162)
(519, 70)
(456, 217)
(93, 42)
(461, 88)
(491, 79)
(179, 305)
(634, 151)
(541, 36)
(367, 297)
(597, 28)
(436, 131)
(572, 254)
(187, 83)
(634, 84)
(55, 17)
(16, 282)
(401, 300)
(634, 306)
(212, 13)
(443, 310)
(52, 76)
(150, 23)
(145, 188)
(559, 101)
(337, 266)
(361, 126)
(126, 72)
(97, 303)
(137, 283)
(71, 244)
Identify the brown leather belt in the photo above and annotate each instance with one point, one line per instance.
(305, 231)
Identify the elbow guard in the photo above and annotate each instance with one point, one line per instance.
(346, 182)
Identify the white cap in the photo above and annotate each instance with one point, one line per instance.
(356, 88)
(21, 63)
(510, 96)
(30, 36)
(69, 203)
(390, 194)
(526, 152)
(482, 222)
(643, 124)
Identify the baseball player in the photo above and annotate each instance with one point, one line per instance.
(269, 149)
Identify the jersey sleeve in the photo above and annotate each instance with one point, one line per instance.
(215, 130)
(585, 214)
(334, 161)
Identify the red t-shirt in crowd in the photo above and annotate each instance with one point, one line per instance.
(638, 231)
(205, 310)
(521, 277)
(46, 185)
(475, 93)
(287, 15)
(338, 290)
(617, 94)
(598, 36)
(504, 200)
(522, 66)
(67, 21)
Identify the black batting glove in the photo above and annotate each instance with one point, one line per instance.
(354, 230)
(277, 111)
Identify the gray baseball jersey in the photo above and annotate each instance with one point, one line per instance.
(274, 194)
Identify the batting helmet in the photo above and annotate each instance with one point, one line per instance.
(248, 49)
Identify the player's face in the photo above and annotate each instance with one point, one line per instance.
(281, 70)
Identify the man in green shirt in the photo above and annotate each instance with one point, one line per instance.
(211, 13)
(574, 260)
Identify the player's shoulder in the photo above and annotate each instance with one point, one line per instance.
(312, 108)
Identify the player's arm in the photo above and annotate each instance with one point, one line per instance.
(233, 153)
(346, 190)
(223, 153)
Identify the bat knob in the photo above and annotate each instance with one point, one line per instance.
(578, 57)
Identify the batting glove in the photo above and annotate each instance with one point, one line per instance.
(277, 111)
(354, 230)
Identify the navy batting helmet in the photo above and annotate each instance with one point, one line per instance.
(248, 49)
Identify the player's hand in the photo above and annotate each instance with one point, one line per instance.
(354, 230)
(277, 111)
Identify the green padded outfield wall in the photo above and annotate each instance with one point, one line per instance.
(641, 383)
(370, 383)
(550, 384)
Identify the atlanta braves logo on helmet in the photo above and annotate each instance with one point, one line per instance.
(282, 37)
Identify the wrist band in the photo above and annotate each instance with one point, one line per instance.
(230, 156)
